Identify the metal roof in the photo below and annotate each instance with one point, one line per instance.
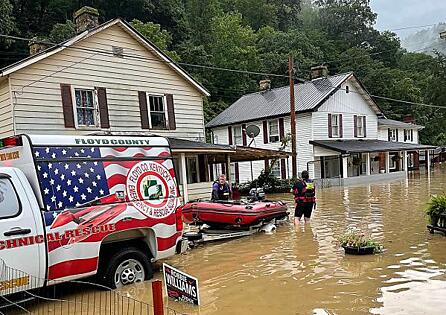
(276, 102)
(363, 146)
(397, 124)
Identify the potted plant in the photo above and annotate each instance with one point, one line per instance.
(436, 207)
(355, 242)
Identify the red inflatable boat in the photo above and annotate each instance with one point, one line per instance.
(235, 213)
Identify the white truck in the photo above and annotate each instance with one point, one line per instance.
(76, 206)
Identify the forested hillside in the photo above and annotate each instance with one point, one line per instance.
(257, 36)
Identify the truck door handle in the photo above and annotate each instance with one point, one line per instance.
(17, 231)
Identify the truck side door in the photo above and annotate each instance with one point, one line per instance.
(22, 239)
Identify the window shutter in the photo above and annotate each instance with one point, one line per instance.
(67, 105)
(245, 140)
(364, 121)
(265, 131)
(330, 131)
(281, 129)
(411, 134)
(266, 164)
(283, 168)
(230, 135)
(142, 96)
(355, 125)
(236, 172)
(171, 112)
(103, 107)
(388, 134)
(223, 168)
(397, 132)
(341, 129)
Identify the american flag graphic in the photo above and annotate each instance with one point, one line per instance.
(72, 176)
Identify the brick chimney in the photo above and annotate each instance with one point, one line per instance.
(37, 45)
(409, 119)
(319, 72)
(86, 18)
(264, 85)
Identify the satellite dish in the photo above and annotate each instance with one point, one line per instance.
(252, 131)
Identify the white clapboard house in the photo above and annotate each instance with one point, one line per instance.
(342, 135)
(109, 79)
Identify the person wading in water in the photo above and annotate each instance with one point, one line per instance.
(304, 195)
(221, 189)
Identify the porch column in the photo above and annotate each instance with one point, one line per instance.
(387, 154)
(405, 164)
(428, 161)
(228, 167)
(344, 166)
(367, 164)
(184, 177)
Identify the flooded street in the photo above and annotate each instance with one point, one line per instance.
(303, 271)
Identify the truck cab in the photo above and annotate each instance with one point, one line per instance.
(75, 206)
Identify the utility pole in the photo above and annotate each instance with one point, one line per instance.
(293, 117)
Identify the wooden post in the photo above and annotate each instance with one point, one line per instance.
(157, 293)
(293, 117)
(428, 161)
(184, 178)
(367, 165)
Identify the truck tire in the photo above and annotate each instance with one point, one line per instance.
(126, 266)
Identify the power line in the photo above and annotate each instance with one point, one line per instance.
(141, 57)
(411, 27)
(211, 67)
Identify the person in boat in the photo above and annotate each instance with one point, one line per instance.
(221, 189)
(305, 197)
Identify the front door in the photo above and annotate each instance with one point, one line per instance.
(22, 247)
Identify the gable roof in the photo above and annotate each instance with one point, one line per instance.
(384, 122)
(126, 27)
(276, 102)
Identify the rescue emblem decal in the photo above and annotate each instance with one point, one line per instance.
(152, 189)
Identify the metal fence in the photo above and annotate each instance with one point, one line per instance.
(21, 293)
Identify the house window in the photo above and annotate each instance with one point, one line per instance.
(347, 89)
(192, 169)
(157, 113)
(86, 108)
(408, 135)
(335, 125)
(237, 131)
(9, 204)
(360, 126)
(393, 134)
(215, 139)
(273, 131)
(275, 169)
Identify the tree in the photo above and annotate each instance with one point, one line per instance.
(347, 20)
(62, 32)
(153, 32)
(7, 22)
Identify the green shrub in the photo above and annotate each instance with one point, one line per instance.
(436, 207)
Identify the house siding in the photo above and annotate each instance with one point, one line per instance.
(304, 149)
(39, 107)
(349, 105)
(383, 134)
(6, 121)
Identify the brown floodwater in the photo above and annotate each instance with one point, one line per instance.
(303, 271)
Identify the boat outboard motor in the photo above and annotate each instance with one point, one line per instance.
(256, 194)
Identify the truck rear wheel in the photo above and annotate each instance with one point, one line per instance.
(126, 266)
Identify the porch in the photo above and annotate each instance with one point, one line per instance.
(197, 164)
(350, 159)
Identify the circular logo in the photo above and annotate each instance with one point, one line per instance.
(152, 189)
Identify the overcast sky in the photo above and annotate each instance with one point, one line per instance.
(394, 14)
